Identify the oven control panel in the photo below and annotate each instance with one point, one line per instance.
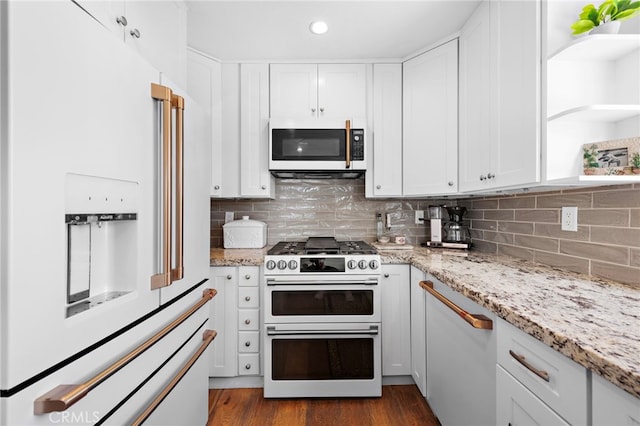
(322, 264)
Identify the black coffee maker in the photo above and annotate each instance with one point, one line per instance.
(454, 230)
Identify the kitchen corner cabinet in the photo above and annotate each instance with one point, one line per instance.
(157, 30)
(500, 96)
(418, 331)
(430, 122)
(235, 314)
(318, 90)
(611, 405)
(384, 174)
(536, 384)
(396, 320)
(461, 360)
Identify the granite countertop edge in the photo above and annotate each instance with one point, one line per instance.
(564, 310)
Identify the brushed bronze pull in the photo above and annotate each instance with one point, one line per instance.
(178, 272)
(207, 338)
(476, 320)
(64, 396)
(522, 360)
(348, 147)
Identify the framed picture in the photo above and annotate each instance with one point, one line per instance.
(614, 157)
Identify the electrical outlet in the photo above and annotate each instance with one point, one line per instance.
(419, 217)
(228, 217)
(570, 219)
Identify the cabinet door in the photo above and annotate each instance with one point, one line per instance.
(516, 405)
(396, 320)
(341, 91)
(476, 91)
(223, 319)
(294, 90)
(255, 179)
(613, 406)
(430, 122)
(384, 177)
(418, 332)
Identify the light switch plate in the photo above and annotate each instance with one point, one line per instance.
(228, 217)
(569, 219)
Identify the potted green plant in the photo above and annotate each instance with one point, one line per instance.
(635, 163)
(606, 18)
(590, 157)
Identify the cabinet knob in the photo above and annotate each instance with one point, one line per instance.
(490, 175)
(264, 187)
(450, 183)
(313, 110)
(229, 277)
(247, 277)
(386, 275)
(122, 21)
(216, 187)
(321, 109)
(247, 344)
(378, 186)
(247, 321)
(483, 177)
(247, 367)
(135, 33)
(247, 298)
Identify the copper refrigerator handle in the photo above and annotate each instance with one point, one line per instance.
(165, 95)
(522, 360)
(476, 320)
(207, 338)
(178, 272)
(64, 396)
(348, 147)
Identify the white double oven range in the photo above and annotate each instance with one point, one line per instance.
(322, 319)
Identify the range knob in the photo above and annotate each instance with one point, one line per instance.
(362, 264)
(373, 264)
(282, 264)
(270, 265)
(352, 264)
(293, 264)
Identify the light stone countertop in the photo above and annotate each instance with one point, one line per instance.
(594, 322)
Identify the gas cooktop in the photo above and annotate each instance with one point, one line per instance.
(321, 245)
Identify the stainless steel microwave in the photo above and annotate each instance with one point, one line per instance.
(317, 148)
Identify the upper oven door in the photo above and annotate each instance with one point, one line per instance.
(321, 301)
(316, 145)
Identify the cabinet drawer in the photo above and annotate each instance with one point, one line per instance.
(516, 405)
(557, 380)
(249, 341)
(248, 364)
(249, 319)
(248, 297)
(248, 276)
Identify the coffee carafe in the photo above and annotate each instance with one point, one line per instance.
(455, 231)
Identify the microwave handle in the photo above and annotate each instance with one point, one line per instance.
(348, 149)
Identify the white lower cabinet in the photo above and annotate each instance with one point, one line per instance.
(554, 383)
(611, 405)
(418, 331)
(461, 359)
(235, 314)
(396, 320)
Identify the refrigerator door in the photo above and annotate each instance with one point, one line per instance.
(78, 133)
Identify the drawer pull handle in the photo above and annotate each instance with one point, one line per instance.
(247, 277)
(247, 344)
(247, 298)
(522, 360)
(476, 320)
(247, 321)
(247, 367)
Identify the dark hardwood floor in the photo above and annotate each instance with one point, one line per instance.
(399, 405)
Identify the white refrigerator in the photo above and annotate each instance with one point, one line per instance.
(101, 288)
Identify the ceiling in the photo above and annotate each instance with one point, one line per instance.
(243, 30)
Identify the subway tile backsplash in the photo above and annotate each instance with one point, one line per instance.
(527, 225)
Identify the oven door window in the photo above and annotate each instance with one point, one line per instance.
(308, 144)
(322, 359)
(321, 302)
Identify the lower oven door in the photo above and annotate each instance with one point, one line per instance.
(322, 360)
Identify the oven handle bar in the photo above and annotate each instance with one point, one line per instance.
(314, 282)
(272, 331)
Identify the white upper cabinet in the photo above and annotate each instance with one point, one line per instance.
(156, 29)
(323, 90)
(500, 96)
(384, 174)
(430, 122)
(593, 94)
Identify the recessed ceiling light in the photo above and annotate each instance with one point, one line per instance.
(318, 27)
